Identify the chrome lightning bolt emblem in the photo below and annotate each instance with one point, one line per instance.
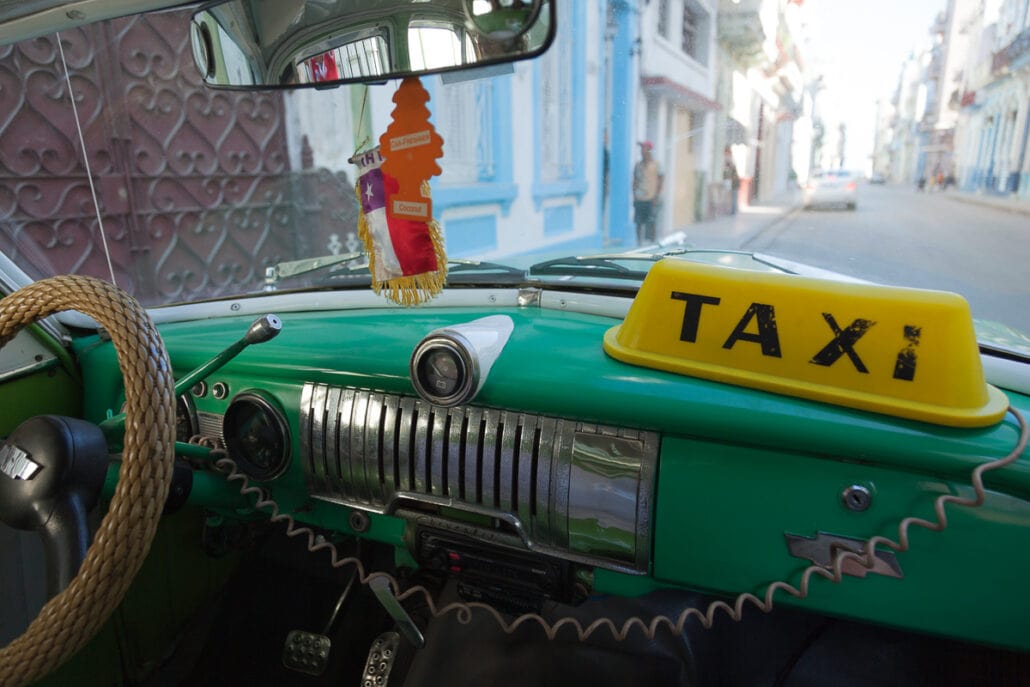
(823, 548)
(16, 463)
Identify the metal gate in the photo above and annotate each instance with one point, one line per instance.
(195, 186)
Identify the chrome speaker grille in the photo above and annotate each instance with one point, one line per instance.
(576, 489)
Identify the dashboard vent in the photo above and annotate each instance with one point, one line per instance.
(568, 486)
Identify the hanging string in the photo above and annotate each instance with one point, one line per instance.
(361, 121)
(85, 159)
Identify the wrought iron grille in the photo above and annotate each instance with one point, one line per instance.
(195, 186)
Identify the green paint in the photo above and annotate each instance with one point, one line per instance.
(371, 349)
(46, 392)
(722, 512)
(739, 467)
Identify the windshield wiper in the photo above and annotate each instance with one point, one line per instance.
(469, 271)
(293, 268)
(479, 271)
(604, 266)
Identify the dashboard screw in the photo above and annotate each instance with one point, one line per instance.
(358, 521)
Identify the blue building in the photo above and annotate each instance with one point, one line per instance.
(546, 121)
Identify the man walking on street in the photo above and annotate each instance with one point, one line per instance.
(647, 187)
(731, 178)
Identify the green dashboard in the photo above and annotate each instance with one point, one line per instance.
(707, 488)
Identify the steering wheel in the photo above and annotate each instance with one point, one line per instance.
(70, 619)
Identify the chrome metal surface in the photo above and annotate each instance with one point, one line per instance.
(529, 297)
(16, 463)
(575, 489)
(210, 425)
(379, 663)
(822, 548)
(856, 498)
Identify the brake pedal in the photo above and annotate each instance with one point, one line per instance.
(306, 652)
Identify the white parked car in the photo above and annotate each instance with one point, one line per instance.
(831, 187)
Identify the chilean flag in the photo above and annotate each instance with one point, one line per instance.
(397, 247)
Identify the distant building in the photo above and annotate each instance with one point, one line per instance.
(995, 123)
(908, 103)
(883, 137)
(765, 96)
(942, 80)
(676, 102)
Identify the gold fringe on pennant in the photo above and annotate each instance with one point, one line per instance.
(416, 288)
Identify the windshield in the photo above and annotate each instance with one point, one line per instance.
(684, 127)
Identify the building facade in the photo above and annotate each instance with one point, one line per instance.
(765, 96)
(995, 123)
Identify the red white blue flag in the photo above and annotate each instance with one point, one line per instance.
(406, 257)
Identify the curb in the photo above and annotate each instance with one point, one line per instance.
(1011, 206)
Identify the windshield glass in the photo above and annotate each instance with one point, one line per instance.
(680, 127)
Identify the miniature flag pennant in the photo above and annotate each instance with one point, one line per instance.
(406, 256)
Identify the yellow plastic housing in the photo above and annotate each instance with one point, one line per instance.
(909, 353)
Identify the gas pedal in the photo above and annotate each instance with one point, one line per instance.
(381, 657)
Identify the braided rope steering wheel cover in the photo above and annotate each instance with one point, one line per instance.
(69, 620)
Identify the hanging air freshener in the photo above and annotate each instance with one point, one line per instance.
(410, 148)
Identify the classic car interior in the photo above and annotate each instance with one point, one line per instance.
(520, 482)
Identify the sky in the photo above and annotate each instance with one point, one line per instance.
(860, 45)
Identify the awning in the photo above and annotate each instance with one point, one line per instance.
(678, 93)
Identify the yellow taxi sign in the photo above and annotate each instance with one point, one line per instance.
(904, 352)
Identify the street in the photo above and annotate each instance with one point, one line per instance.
(899, 236)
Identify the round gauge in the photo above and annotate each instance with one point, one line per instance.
(256, 436)
(440, 370)
(443, 371)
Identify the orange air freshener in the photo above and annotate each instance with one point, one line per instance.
(410, 148)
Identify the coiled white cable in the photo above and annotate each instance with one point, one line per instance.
(463, 611)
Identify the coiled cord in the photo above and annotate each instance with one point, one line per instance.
(463, 611)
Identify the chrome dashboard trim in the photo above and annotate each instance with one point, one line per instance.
(576, 490)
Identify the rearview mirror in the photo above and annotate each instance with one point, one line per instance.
(277, 43)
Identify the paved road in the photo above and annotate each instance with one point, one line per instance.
(899, 236)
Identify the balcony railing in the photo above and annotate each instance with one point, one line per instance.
(1018, 48)
(740, 25)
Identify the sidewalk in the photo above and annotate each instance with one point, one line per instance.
(1005, 203)
(736, 232)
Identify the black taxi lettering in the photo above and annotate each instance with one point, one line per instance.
(692, 312)
(765, 333)
(905, 365)
(843, 342)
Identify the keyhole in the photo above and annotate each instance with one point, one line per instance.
(856, 498)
